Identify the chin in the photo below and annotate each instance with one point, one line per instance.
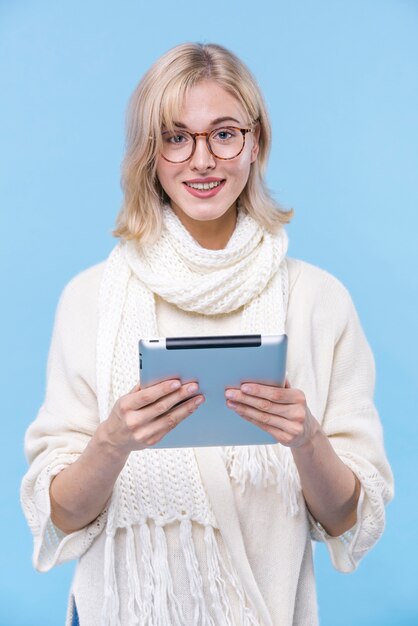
(205, 216)
(204, 213)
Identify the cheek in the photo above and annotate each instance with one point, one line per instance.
(161, 170)
(242, 173)
(165, 173)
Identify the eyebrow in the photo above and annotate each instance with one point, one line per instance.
(218, 120)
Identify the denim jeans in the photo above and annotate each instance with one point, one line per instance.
(76, 621)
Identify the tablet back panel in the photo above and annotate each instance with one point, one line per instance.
(216, 363)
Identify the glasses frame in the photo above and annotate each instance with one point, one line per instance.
(207, 134)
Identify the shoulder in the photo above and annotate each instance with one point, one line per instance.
(318, 294)
(84, 287)
(78, 304)
(303, 273)
(85, 283)
(308, 279)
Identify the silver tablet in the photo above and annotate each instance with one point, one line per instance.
(216, 363)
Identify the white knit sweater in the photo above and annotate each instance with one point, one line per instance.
(268, 570)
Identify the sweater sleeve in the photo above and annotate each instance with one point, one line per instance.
(352, 425)
(65, 422)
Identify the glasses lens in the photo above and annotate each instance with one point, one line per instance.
(226, 143)
(177, 145)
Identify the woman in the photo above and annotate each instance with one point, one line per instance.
(207, 536)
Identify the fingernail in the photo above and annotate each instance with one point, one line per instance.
(199, 400)
(246, 388)
(191, 388)
(232, 405)
(175, 384)
(230, 393)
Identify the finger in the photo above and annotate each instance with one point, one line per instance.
(180, 413)
(161, 406)
(279, 435)
(167, 403)
(279, 395)
(157, 429)
(261, 403)
(264, 405)
(267, 419)
(270, 392)
(144, 397)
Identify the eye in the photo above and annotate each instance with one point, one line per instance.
(175, 138)
(224, 134)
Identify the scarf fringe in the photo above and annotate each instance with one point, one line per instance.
(110, 614)
(201, 615)
(152, 600)
(146, 563)
(262, 466)
(134, 586)
(217, 570)
(167, 607)
(220, 602)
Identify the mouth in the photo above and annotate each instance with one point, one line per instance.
(204, 188)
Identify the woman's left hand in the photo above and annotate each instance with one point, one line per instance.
(282, 412)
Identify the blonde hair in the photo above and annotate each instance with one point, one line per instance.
(155, 103)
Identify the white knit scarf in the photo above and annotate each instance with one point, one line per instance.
(164, 485)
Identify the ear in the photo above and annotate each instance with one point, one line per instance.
(256, 145)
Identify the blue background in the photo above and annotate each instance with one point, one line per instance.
(341, 83)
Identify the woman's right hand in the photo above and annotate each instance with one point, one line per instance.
(138, 420)
(142, 417)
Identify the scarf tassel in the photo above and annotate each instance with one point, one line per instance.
(147, 578)
(167, 606)
(134, 586)
(110, 613)
(201, 614)
(262, 466)
(220, 602)
(217, 573)
(151, 597)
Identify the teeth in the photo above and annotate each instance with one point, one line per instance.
(203, 186)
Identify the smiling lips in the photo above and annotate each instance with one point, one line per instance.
(204, 187)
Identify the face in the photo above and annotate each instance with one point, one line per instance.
(208, 106)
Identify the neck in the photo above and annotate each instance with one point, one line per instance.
(211, 234)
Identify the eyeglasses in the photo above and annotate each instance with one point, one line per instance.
(224, 143)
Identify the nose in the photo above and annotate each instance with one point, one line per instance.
(202, 159)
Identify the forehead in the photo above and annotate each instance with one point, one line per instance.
(207, 102)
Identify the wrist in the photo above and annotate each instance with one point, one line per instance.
(307, 448)
(107, 446)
